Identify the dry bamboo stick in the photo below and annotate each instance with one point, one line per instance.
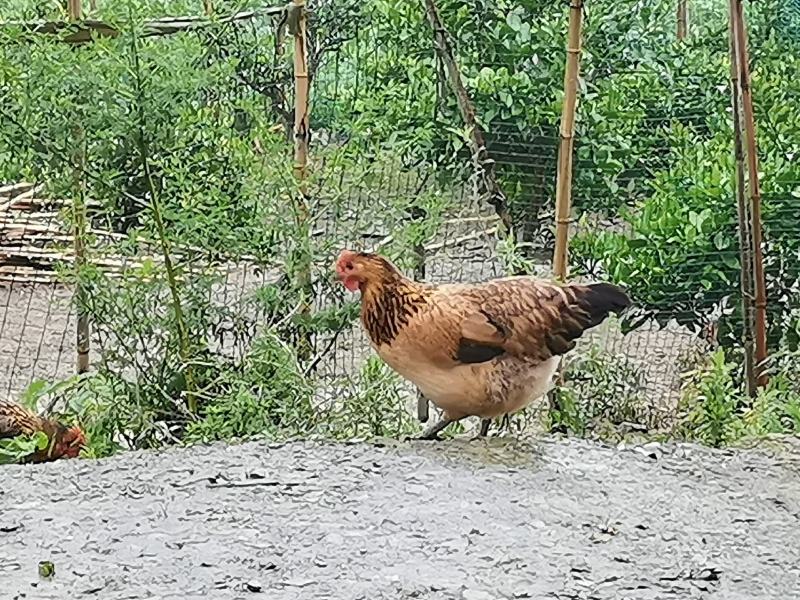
(564, 177)
(32, 279)
(743, 66)
(460, 240)
(26, 195)
(80, 225)
(683, 20)
(446, 53)
(743, 214)
(10, 189)
(30, 217)
(83, 32)
(37, 254)
(75, 10)
(418, 214)
(297, 23)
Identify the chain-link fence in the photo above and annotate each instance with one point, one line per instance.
(166, 149)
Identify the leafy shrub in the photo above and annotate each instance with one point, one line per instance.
(601, 392)
(13, 450)
(717, 413)
(373, 407)
(678, 255)
(264, 395)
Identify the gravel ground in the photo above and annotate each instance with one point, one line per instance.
(454, 520)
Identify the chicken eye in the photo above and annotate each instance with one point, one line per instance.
(348, 266)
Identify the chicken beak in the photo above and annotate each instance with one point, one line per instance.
(338, 273)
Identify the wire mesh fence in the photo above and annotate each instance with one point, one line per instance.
(166, 151)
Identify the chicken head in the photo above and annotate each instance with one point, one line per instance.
(356, 270)
(71, 442)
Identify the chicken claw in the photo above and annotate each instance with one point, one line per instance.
(432, 432)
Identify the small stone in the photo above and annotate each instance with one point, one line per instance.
(253, 586)
(46, 569)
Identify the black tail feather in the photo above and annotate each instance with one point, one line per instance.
(590, 306)
(599, 300)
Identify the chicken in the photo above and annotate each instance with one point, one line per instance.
(64, 442)
(484, 350)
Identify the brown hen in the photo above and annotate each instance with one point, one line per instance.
(64, 442)
(482, 350)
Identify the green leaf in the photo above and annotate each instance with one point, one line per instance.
(524, 33)
(721, 241)
(30, 397)
(514, 21)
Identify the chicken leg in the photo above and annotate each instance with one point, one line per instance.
(432, 432)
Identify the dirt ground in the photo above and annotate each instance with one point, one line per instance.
(453, 520)
(37, 335)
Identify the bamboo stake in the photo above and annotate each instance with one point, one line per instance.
(745, 255)
(564, 177)
(445, 50)
(297, 23)
(565, 147)
(82, 327)
(743, 66)
(683, 20)
(75, 10)
(418, 215)
(83, 333)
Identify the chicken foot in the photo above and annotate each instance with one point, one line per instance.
(432, 432)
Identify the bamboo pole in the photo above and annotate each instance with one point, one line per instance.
(564, 177)
(748, 117)
(683, 20)
(743, 214)
(297, 24)
(467, 109)
(418, 215)
(89, 29)
(74, 9)
(82, 328)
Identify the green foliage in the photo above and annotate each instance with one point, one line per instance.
(716, 412)
(711, 400)
(677, 248)
(13, 450)
(374, 407)
(679, 255)
(602, 395)
(266, 394)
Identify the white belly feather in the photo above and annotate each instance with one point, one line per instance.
(475, 390)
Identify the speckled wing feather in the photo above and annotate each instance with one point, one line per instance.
(528, 318)
(17, 420)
